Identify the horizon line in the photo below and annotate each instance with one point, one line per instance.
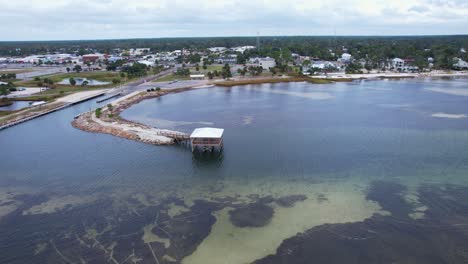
(244, 36)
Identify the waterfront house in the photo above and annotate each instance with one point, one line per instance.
(207, 139)
(398, 64)
(461, 65)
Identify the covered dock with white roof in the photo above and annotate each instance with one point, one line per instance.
(207, 138)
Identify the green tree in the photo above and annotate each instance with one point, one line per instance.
(72, 81)
(226, 72)
(77, 68)
(98, 112)
(210, 75)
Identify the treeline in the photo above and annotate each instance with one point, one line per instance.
(373, 49)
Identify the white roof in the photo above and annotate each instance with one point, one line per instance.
(207, 132)
(197, 75)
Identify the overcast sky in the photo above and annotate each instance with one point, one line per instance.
(104, 19)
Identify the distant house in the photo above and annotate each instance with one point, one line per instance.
(322, 65)
(230, 59)
(398, 64)
(217, 49)
(92, 58)
(139, 51)
(114, 58)
(461, 65)
(266, 63)
(346, 57)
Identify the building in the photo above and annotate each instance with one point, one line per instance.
(266, 63)
(461, 65)
(197, 76)
(139, 51)
(242, 49)
(114, 58)
(230, 59)
(322, 65)
(92, 58)
(398, 64)
(207, 138)
(217, 49)
(147, 63)
(346, 57)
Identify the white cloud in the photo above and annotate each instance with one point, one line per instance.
(93, 19)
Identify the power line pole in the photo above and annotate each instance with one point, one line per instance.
(258, 41)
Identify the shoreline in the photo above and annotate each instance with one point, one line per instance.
(263, 80)
(23, 115)
(396, 75)
(110, 121)
(29, 113)
(334, 78)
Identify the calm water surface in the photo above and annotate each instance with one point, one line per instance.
(17, 105)
(307, 171)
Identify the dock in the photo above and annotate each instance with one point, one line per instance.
(108, 98)
(178, 136)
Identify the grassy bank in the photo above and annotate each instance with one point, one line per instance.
(397, 77)
(171, 78)
(274, 80)
(5, 102)
(103, 76)
(11, 116)
(40, 97)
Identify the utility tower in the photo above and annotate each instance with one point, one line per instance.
(258, 41)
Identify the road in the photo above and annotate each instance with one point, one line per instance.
(40, 71)
(141, 84)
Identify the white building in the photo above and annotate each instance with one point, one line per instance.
(242, 49)
(138, 51)
(266, 63)
(197, 76)
(461, 64)
(217, 49)
(176, 53)
(147, 63)
(346, 57)
(398, 64)
(322, 65)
